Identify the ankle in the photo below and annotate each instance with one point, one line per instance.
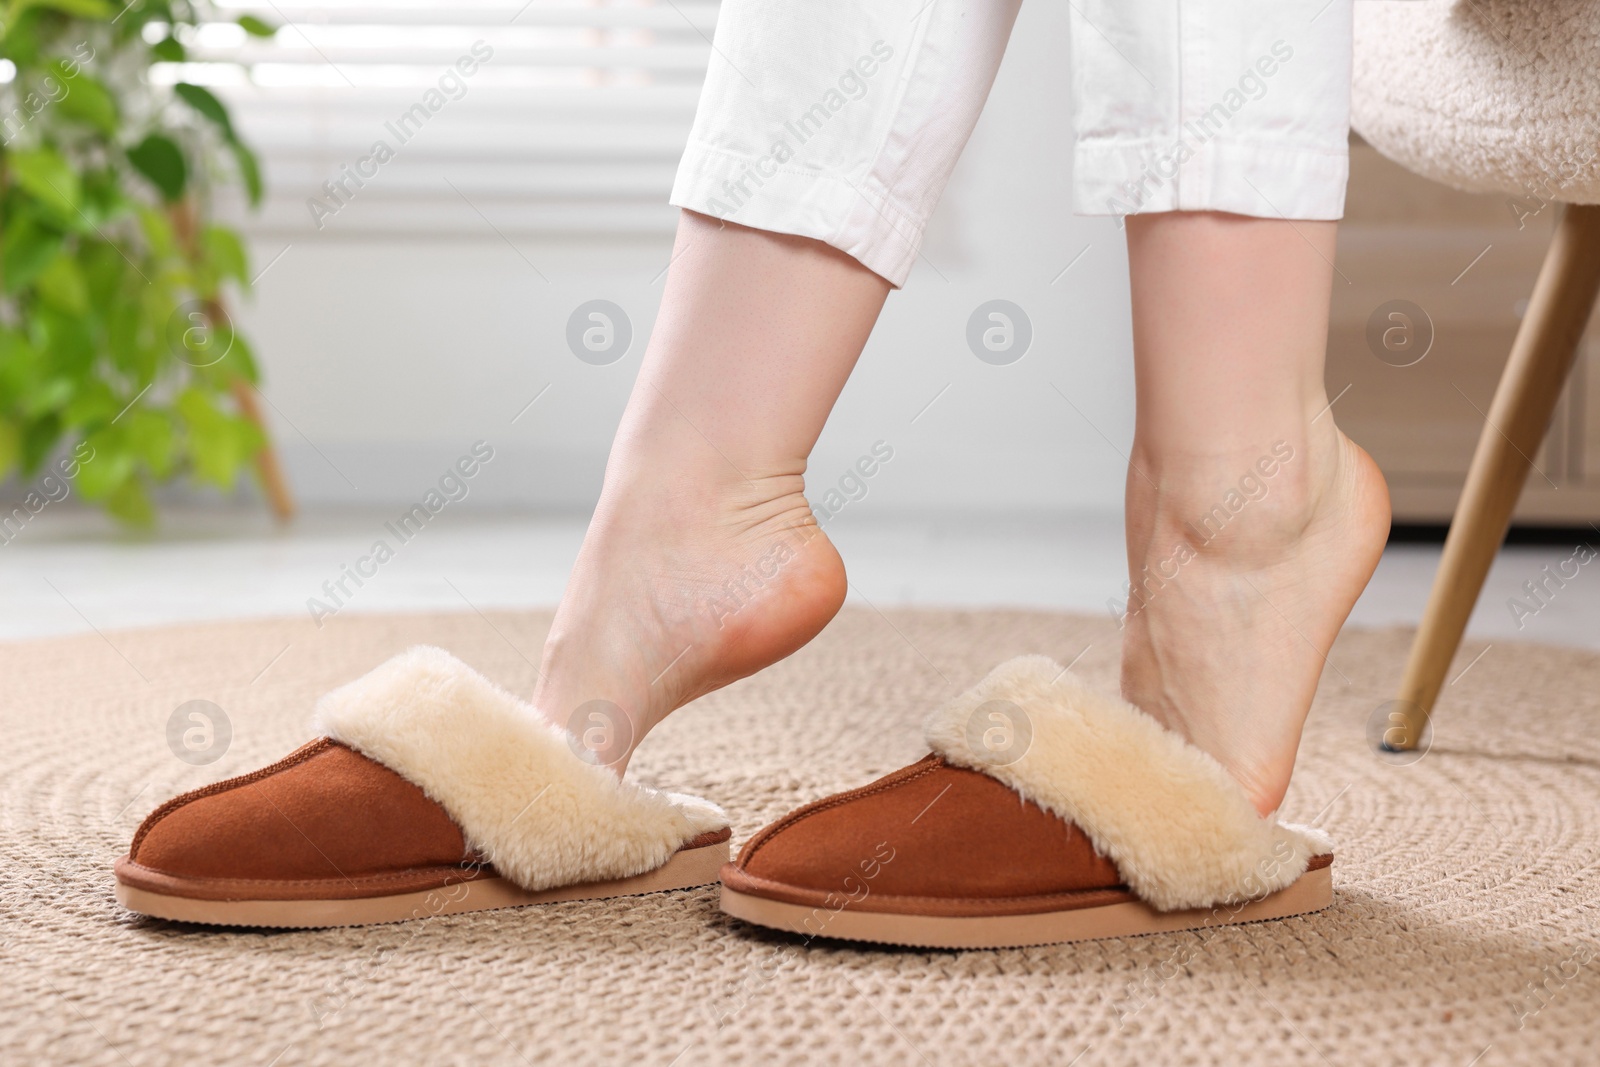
(1239, 499)
(664, 451)
(682, 471)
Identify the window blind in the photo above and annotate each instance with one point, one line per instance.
(548, 117)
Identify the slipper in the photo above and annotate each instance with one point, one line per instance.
(1045, 813)
(432, 791)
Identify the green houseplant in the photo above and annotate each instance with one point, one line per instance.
(115, 350)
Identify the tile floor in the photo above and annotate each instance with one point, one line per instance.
(69, 571)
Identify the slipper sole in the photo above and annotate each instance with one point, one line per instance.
(1312, 891)
(686, 869)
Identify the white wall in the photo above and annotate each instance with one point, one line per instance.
(385, 359)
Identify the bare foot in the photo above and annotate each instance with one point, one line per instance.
(682, 586)
(1244, 578)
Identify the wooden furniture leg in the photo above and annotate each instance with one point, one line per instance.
(1541, 357)
(186, 225)
(273, 481)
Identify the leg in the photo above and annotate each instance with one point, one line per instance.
(1253, 524)
(1534, 375)
(703, 562)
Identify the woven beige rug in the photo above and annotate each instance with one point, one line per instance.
(1467, 921)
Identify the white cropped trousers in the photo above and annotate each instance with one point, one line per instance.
(841, 120)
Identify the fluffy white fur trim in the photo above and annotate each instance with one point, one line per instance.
(1179, 828)
(521, 795)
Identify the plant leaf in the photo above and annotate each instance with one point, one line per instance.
(50, 179)
(205, 102)
(169, 50)
(151, 436)
(20, 40)
(87, 100)
(249, 170)
(19, 366)
(62, 285)
(255, 27)
(242, 360)
(112, 464)
(27, 249)
(103, 270)
(38, 438)
(219, 443)
(130, 503)
(160, 159)
(87, 9)
(157, 229)
(94, 403)
(65, 340)
(103, 196)
(10, 447)
(226, 254)
(48, 397)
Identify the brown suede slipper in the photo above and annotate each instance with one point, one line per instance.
(431, 792)
(1046, 813)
